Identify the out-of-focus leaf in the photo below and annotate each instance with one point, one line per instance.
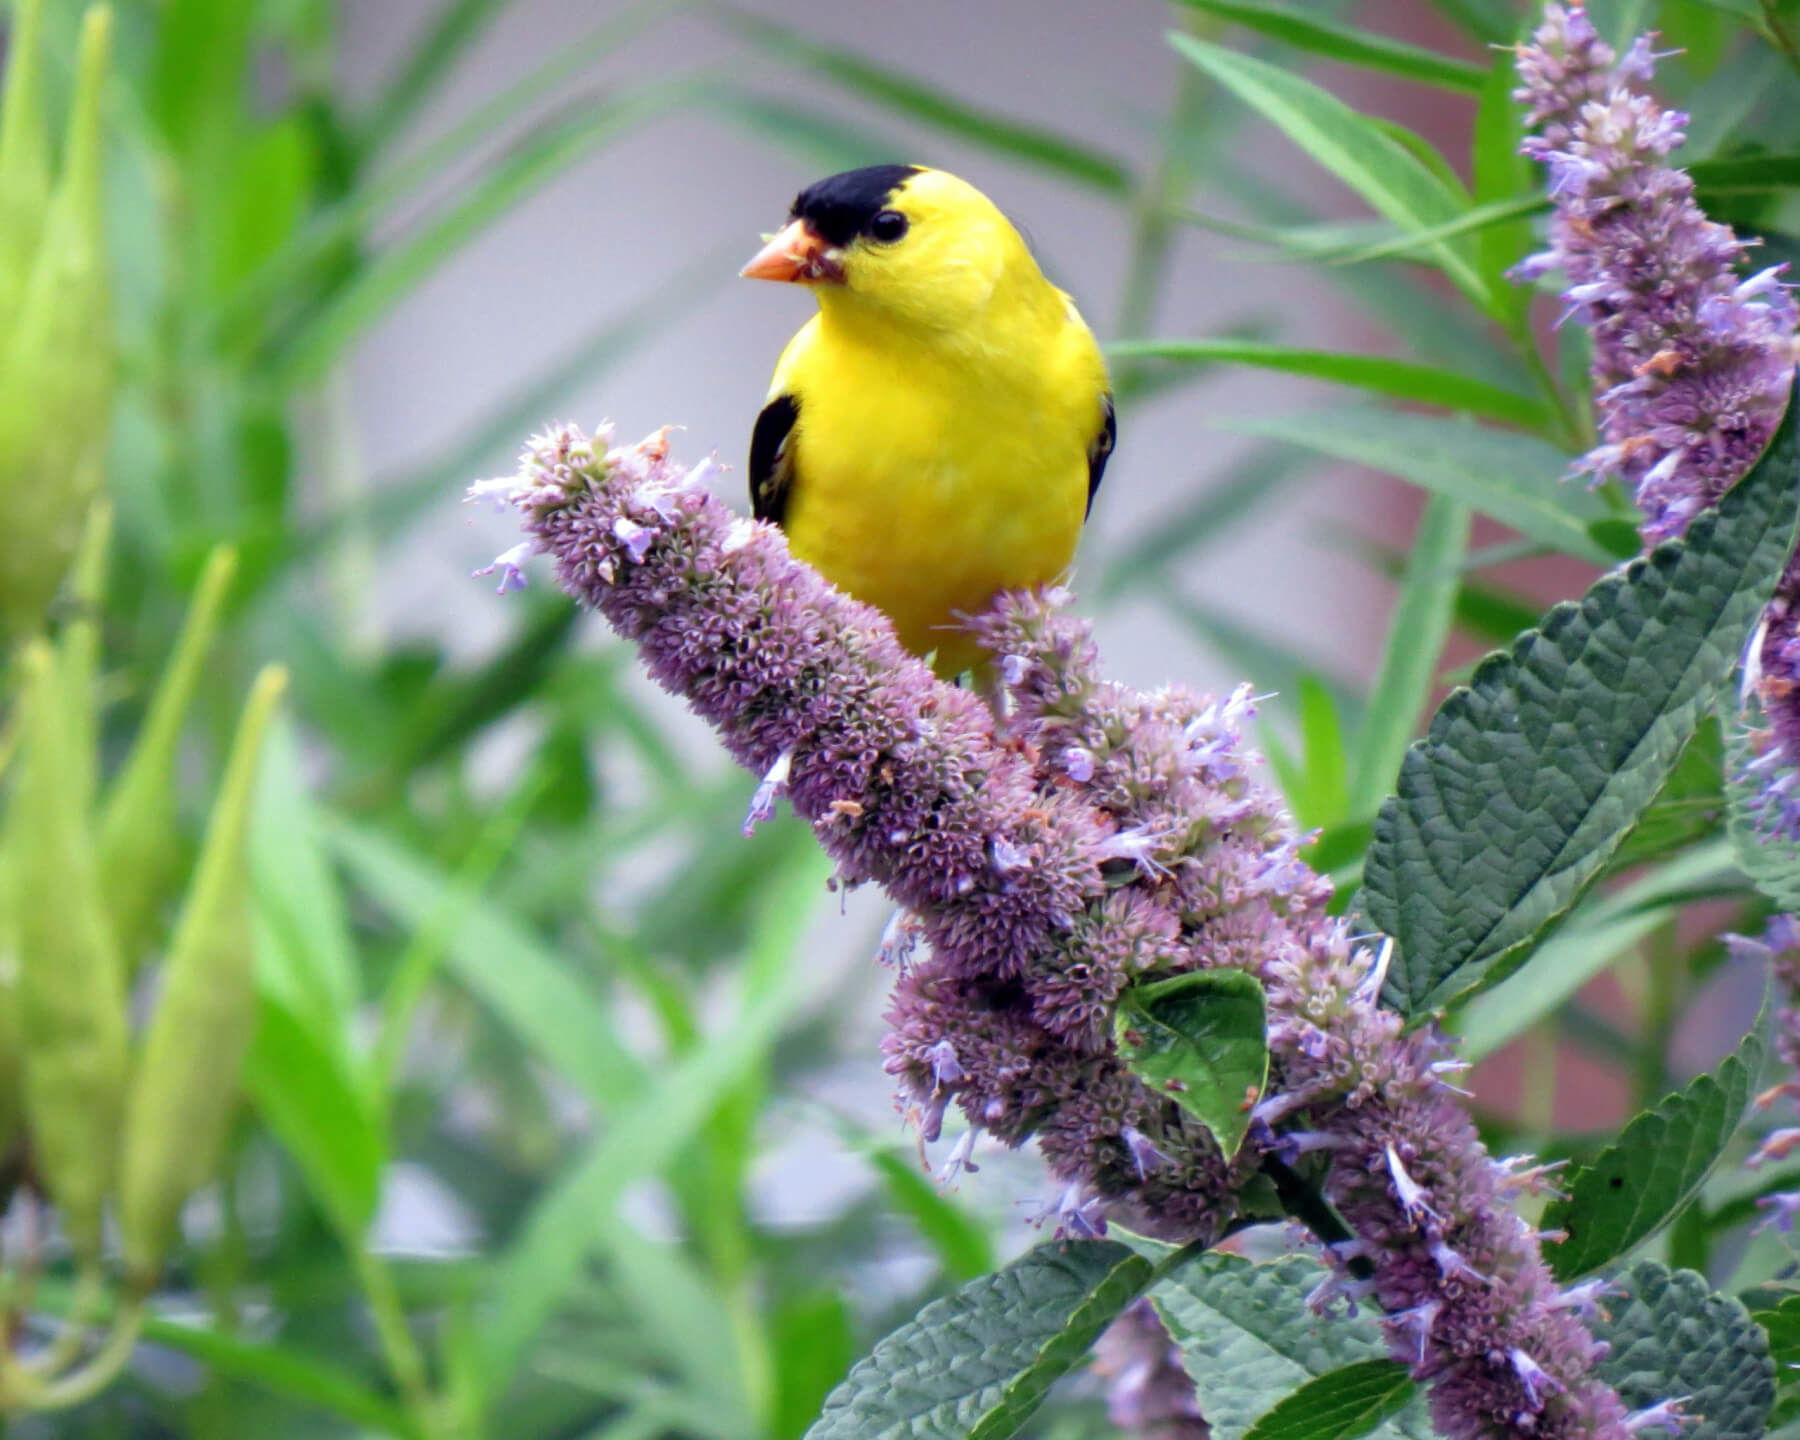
(270, 179)
(1337, 41)
(876, 84)
(1482, 221)
(1483, 21)
(281, 1370)
(1502, 174)
(1327, 798)
(1746, 174)
(575, 1218)
(1416, 636)
(959, 1241)
(1768, 855)
(814, 1343)
(543, 155)
(1266, 662)
(1402, 379)
(527, 986)
(828, 142)
(1389, 178)
(319, 1114)
(1515, 479)
(1144, 559)
(198, 80)
(447, 36)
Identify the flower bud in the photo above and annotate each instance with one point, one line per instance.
(186, 1085)
(56, 352)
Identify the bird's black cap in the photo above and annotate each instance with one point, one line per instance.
(839, 207)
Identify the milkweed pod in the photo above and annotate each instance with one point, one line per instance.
(71, 996)
(56, 353)
(186, 1085)
(24, 153)
(11, 1082)
(139, 864)
(79, 643)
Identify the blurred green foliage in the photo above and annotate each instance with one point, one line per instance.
(538, 1001)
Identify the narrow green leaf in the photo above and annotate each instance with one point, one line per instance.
(1272, 664)
(321, 1116)
(575, 1218)
(1483, 221)
(508, 969)
(1248, 1338)
(872, 83)
(1501, 174)
(1409, 660)
(976, 1364)
(455, 27)
(1672, 1337)
(1427, 384)
(1337, 41)
(1656, 1167)
(1766, 853)
(1202, 1040)
(814, 1340)
(1391, 180)
(1531, 778)
(1144, 559)
(283, 1371)
(1344, 1404)
(956, 1237)
(1599, 931)
(533, 162)
(1327, 798)
(1515, 479)
(1484, 22)
(1746, 174)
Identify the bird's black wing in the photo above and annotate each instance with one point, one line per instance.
(771, 464)
(1098, 452)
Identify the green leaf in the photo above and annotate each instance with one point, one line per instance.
(1249, 652)
(1341, 1405)
(1656, 1167)
(1248, 1339)
(871, 83)
(1202, 1040)
(956, 1237)
(519, 978)
(1409, 660)
(1746, 174)
(1428, 384)
(976, 1364)
(1484, 221)
(1601, 929)
(1530, 778)
(1515, 479)
(1343, 42)
(1388, 177)
(320, 1115)
(1144, 559)
(814, 1343)
(456, 26)
(1782, 1325)
(1768, 856)
(1501, 175)
(1672, 1337)
(576, 1217)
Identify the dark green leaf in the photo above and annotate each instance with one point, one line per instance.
(1741, 174)
(1531, 778)
(1248, 1338)
(876, 84)
(1427, 384)
(1672, 1338)
(1336, 41)
(1689, 809)
(1782, 1325)
(1415, 639)
(976, 1364)
(1657, 1165)
(1358, 151)
(1515, 479)
(1202, 1040)
(1342, 1405)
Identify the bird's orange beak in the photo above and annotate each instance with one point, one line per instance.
(798, 254)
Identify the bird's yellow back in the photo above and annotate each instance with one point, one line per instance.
(947, 402)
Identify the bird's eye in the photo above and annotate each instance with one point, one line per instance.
(888, 226)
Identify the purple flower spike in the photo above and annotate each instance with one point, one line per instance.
(1692, 364)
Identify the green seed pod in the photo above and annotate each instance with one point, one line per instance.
(186, 1085)
(139, 865)
(56, 348)
(73, 1045)
(12, 1100)
(78, 646)
(24, 154)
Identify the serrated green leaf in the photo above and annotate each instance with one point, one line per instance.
(1766, 854)
(1409, 660)
(1201, 1039)
(1428, 384)
(976, 1364)
(1655, 1168)
(1343, 42)
(1390, 179)
(1342, 1405)
(1247, 1337)
(1672, 1338)
(1532, 776)
(1515, 479)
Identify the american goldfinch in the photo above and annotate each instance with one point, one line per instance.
(936, 433)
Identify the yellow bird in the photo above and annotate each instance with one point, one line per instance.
(936, 433)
